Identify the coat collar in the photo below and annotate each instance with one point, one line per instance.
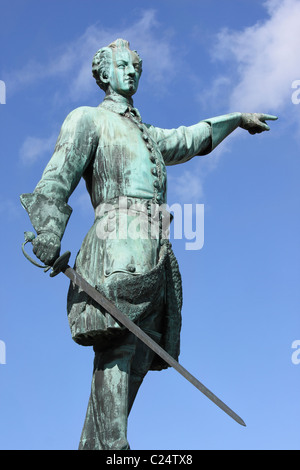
(119, 104)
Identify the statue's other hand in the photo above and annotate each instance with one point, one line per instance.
(46, 247)
(254, 123)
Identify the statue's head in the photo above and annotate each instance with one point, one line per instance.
(117, 68)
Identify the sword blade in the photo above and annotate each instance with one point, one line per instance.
(137, 331)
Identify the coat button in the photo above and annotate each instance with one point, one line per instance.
(131, 268)
(154, 171)
(156, 184)
(145, 137)
(152, 158)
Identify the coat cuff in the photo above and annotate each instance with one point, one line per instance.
(46, 214)
(222, 126)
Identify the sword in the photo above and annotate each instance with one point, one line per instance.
(61, 265)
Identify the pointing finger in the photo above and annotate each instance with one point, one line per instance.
(268, 116)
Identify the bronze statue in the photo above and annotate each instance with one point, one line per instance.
(123, 162)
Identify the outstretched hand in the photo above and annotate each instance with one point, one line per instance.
(254, 123)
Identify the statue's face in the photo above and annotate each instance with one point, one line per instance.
(124, 72)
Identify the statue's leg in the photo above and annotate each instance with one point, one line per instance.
(118, 373)
(143, 356)
(105, 426)
(141, 363)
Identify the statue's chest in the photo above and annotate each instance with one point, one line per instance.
(127, 150)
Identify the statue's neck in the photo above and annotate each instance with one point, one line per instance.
(117, 98)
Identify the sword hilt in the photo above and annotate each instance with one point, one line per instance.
(60, 263)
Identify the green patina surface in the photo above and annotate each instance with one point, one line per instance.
(120, 156)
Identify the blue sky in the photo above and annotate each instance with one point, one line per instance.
(241, 290)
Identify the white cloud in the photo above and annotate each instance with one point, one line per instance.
(215, 97)
(188, 185)
(265, 57)
(34, 148)
(260, 66)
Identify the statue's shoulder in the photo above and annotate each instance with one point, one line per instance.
(82, 113)
(81, 119)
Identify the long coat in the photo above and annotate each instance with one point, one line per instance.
(120, 158)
